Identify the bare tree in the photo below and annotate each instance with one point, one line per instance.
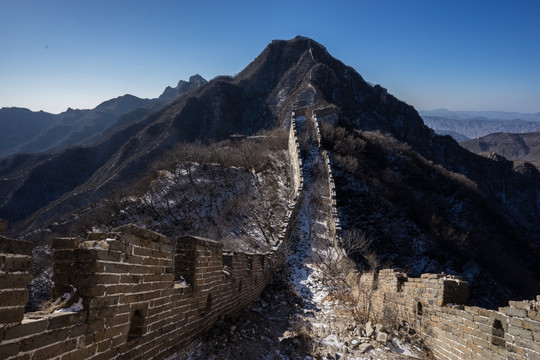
(343, 275)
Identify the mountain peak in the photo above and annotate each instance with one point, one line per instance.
(300, 42)
(195, 81)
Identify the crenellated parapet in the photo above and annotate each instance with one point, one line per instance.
(295, 159)
(335, 223)
(297, 180)
(435, 306)
(130, 293)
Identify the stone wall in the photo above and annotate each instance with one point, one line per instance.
(131, 294)
(335, 224)
(328, 114)
(14, 277)
(434, 305)
(295, 160)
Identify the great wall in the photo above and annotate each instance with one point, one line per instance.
(135, 294)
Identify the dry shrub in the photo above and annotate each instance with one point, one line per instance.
(343, 277)
(389, 317)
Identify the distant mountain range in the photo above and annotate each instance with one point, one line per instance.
(25, 131)
(470, 128)
(524, 147)
(490, 115)
(513, 135)
(426, 203)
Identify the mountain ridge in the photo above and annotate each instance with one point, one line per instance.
(78, 126)
(479, 126)
(491, 115)
(286, 76)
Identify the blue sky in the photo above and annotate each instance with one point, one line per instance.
(460, 55)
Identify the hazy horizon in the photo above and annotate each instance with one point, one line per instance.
(460, 56)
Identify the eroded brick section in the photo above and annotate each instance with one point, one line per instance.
(135, 305)
(434, 305)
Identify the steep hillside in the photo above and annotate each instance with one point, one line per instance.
(260, 97)
(234, 192)
(512, 146)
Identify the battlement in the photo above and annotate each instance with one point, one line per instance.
(435, 306)
(131, 293)
(295, 159)
(14, 277)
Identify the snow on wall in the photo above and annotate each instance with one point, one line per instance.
(295, 160)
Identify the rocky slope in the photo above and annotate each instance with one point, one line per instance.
(259, 97)
(424, 218)
(183, 87)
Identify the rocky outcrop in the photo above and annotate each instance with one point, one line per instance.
(195, 82)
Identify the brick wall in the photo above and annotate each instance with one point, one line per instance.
(434, 305)
(328, 114)
(335, 223)
(297, 177)
(14, 278)
(295, 160)
(134, 305)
